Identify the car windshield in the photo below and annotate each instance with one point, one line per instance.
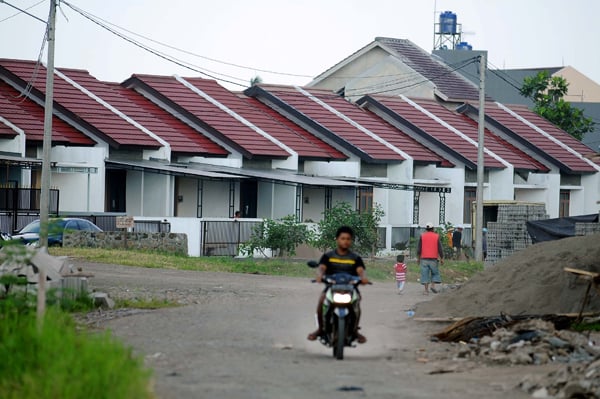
(34, 227)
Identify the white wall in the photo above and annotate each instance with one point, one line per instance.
(284, 201)
(78, 191)
(316, 203)
(349, 168)
(14, 145)
(187, 189)
(158, 195)
(133, 194)
(591, 193)
(215, 199)
(265, 200)
(429, 202)
(501, 184)
(550, 195)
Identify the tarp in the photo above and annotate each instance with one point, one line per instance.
(555, 229)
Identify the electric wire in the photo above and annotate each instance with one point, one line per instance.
(181, 63)
(22, 11)
(24, 95)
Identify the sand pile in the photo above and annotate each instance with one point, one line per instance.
(531, 281)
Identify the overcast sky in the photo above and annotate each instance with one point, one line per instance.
(300, 37)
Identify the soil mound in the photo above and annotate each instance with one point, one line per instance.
(531, 281)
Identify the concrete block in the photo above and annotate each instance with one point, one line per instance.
(102, 300)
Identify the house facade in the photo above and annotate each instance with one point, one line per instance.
(188, 151)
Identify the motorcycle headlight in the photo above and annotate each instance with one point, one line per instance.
(340, 297)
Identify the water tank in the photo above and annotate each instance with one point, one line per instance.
(464, 46)
(448, 23)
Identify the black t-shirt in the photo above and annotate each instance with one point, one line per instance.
(456, 238)
(337, 263)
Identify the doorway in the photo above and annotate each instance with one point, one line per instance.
(116, 183)
(248, 198)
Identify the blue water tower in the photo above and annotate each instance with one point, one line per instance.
(448, 23)
(464, 46)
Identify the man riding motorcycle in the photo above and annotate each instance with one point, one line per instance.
(340, 260)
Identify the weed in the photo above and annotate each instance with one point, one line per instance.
(145, 303)
(56, 361)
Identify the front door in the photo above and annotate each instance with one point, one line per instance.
(116, 182)
(248, 198)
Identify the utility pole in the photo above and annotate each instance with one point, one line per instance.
(480, 161)
(47, 144)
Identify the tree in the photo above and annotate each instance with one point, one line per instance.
(282, 236)
(363, 223)
(547, 92)
(256, 80)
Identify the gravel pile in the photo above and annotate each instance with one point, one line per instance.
(536, 342)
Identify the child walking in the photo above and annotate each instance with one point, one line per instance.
(400, 269)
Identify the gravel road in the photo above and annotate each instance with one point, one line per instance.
(244, 336)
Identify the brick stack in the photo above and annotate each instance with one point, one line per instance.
(584, 229)
(508, 234)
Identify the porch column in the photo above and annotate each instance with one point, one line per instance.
(200, 191)
(442, 218)
(416, 197)
(299, 202)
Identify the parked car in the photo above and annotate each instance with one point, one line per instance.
(30, 234)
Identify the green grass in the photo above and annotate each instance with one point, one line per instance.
(586, 326)
(378, 269)
(57, 361)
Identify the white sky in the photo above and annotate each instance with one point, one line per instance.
(301, 37)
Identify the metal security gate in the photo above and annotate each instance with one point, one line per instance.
(223, 237)
(19, 206)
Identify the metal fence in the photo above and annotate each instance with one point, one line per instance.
(20, 206)
(223, 237)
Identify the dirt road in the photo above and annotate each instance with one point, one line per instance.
(244, 336)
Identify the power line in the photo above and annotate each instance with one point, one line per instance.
(441, 75)
(181, 63)
(22, 11)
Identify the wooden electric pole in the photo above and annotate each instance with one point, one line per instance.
(47, 144)
(480, 162)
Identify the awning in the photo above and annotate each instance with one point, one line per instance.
(19, 161)
(170, 169)
(281, 177)
(390, 185)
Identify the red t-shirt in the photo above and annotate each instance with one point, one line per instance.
(400, 269)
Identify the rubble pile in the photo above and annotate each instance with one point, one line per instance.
(570, 382)
(537, 342)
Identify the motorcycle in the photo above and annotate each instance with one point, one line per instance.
(340, 311)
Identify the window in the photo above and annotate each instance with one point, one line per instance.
(470, 197)
(365, 199)
(563, 204)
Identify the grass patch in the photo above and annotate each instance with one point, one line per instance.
(145, 303)
(580, 327)
(57, 361)
(378, 269)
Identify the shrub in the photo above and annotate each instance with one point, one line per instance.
(281, 236)
(56, 361)
(363, 223)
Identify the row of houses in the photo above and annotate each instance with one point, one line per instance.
(178, 147)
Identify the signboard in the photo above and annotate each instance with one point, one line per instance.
(125, 222)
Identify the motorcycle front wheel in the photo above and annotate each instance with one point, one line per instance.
(339, 340)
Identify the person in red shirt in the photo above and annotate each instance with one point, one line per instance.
(400, 269)
(429, 251)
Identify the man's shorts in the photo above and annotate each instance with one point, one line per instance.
(430, 271)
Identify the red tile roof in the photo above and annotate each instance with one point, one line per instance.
(29, 116)
(303, 142)
(571, 161)
(181, 137)
(450, 84)
(349, 133)
(468, 127)
(436, 130)
(232, 130)
(114, 128)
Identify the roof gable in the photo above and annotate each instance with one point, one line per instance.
(106, 123)
(29, 117)
(181, 137)
(526, 128)
(208, 115)
(304, 143)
